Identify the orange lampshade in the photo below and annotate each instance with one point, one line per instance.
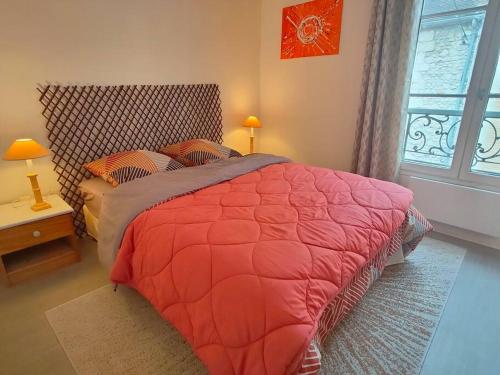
(252, 122)
(23, 149)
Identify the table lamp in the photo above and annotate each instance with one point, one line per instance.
(252, 122)
(27, 149)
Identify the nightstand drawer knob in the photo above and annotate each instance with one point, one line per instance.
(37, 233)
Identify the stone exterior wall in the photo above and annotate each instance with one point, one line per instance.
(443, 62)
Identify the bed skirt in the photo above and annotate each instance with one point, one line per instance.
(406, 239)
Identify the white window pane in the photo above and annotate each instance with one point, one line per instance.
(445, 55)
(440, 6)
(487, 153)
(446, 51)
(431, 136)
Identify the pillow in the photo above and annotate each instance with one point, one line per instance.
(198, 152)
(129, 165)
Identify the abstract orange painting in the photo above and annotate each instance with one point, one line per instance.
(311, 29)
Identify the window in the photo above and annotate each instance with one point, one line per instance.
(453, 116)
(486, 158)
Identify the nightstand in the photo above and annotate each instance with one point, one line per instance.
(32, 243)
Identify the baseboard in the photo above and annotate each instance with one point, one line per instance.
(466, 235)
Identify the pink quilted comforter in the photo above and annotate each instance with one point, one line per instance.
(244, 269)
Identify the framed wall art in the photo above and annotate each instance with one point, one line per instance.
(311, 29)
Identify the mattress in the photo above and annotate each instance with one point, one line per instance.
(92, 192)
(91, 223)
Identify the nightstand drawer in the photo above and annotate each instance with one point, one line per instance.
(22, 236)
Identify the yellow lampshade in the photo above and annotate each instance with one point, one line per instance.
(252, 122)
(24, 149)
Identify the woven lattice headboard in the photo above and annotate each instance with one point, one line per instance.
(85, 123)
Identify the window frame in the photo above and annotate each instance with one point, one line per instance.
(485, 75)
(475, 104)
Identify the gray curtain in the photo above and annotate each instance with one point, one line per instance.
(388, 64)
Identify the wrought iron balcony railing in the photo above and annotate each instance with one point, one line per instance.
(431, 135)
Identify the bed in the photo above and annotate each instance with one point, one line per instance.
(93, 189)
(254, 259)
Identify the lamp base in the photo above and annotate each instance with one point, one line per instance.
(40, 206)
(251, 143)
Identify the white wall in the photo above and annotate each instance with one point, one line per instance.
(121, 42)
(309, 105)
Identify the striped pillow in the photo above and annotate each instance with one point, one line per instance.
(198, 152)
(129, 165)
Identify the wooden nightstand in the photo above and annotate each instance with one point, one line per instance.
(32, 243)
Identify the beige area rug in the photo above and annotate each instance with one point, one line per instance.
(104, 332)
